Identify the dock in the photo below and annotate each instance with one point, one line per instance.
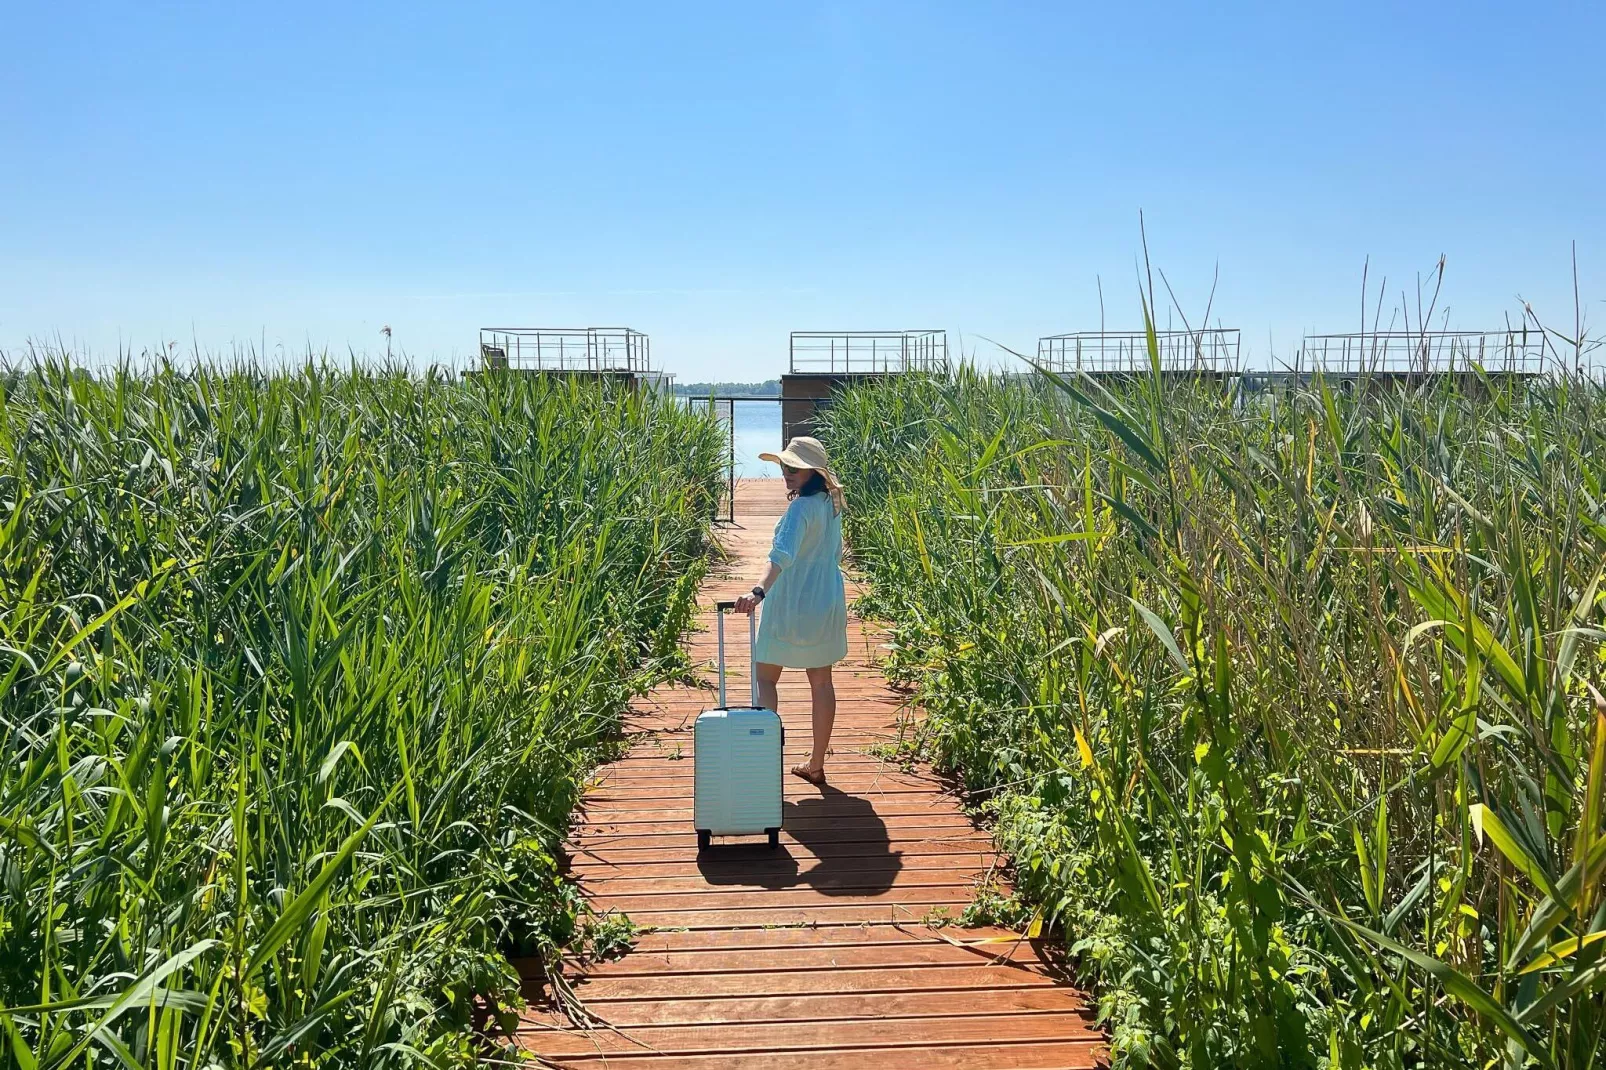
(839, 949)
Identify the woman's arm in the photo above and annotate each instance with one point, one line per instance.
(788, 536)
(749, 602)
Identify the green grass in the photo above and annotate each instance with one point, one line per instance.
(300, 674)
(1279, 700)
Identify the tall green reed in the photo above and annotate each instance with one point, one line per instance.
(1280, 698)
(300, 675)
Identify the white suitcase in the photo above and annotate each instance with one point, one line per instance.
(737, 756)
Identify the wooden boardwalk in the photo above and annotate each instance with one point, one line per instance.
(818, 956)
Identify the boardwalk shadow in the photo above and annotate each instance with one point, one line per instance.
(848, 841)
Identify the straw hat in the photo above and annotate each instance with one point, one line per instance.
(805, 452)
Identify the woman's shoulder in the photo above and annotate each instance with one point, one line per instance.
(809, 509)
(803, 503)
(815, 503)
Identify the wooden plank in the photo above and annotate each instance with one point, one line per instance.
(902, 1005)
(1043, 1055)
(811, 937)
(785, 983)
(832, 808)
(735, 855)
(810, 884)
(842, 779)
(850, 738)
(819, 840)
(684, 863)
(843, 873)
(825, 912)
(846, 739)
(877, 775)
(651, 757)
(812, 828)
(678, 775)
(664, 791)
(723, 898)
(825, 957)
(690, 876)
(795, 813)
(682, 825)
(816, 839)
(803, 1036)
(913, 856)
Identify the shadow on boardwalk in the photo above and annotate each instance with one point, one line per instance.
(851, 848)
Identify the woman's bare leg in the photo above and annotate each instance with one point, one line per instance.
(768, 677)
(823, 691)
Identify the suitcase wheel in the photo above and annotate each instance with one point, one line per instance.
(704, 839)
(775, 837)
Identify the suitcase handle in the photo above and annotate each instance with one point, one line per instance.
(752, 637)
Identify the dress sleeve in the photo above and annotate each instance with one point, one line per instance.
(788, 535)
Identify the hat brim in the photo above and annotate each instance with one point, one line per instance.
(792, 460)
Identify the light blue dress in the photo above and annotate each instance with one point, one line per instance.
(803, 619)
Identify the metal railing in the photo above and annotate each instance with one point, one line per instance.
(1104, 352)
(868, 352)
(1519, 351)
(565, 349)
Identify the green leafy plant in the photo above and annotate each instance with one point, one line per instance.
(1279, 696)
(607, 936)
(994, 906)
(301, 671)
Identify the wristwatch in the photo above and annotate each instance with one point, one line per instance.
(758, 593)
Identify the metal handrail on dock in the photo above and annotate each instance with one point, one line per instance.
(1516, 351)
(1212, 350)
(595, 350)
(867, 352)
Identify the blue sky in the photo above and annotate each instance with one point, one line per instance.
(720, 174)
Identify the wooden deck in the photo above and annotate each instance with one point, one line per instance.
(818, 956)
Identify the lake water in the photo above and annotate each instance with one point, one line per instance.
(758, 430)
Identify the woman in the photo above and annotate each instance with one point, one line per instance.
(805, 620)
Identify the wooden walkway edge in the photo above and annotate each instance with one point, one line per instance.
(821, 955)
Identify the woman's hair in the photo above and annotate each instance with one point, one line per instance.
(815, 484)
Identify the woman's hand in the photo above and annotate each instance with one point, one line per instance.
(749, 601)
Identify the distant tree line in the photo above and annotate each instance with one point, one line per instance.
(699, 390)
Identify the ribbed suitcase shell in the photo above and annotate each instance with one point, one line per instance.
(737, 759)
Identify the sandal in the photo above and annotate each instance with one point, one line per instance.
(802, 773)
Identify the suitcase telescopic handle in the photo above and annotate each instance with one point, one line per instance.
(720, 608)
